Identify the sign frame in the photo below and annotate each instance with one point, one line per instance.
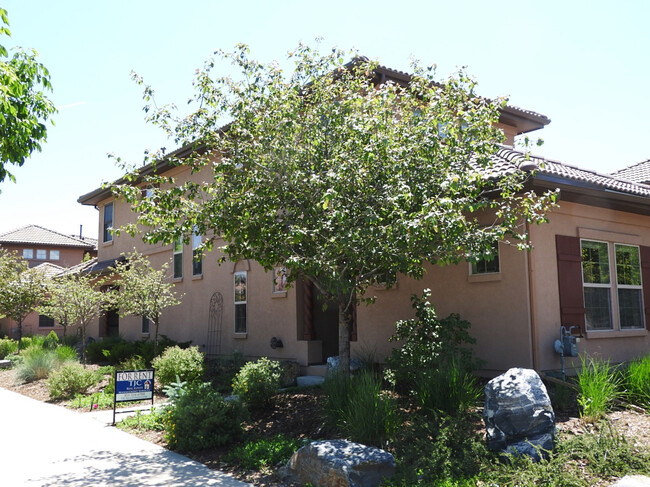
(133, 385)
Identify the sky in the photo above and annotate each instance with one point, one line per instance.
(583, 64)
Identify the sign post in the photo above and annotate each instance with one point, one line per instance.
(133, 385)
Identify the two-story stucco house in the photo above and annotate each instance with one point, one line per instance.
(590, 268)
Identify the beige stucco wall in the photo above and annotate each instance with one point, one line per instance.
(587, 222)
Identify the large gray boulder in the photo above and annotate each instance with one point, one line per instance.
(339, 463)
(333, 365)
(518, 415)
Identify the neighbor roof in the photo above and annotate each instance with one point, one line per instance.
(34, 234)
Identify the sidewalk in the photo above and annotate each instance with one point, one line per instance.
(46, 445)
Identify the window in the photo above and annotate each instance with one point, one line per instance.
(41, 254)
(28, 254)
(54, 255)
(197, 255)
(487, 265)
(108, 222)
(145, 325)
(45, 321)
(611, 276)
(178, 258)
(240, 301)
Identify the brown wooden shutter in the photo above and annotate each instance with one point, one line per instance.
(569, 272)
(645, 281)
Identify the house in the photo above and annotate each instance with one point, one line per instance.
(589, 271)
(50, 252)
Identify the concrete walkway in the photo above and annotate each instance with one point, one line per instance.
(46, 445)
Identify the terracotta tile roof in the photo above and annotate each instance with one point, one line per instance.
(638, 173)
(508, 160)
(49, 269)
(34, 234)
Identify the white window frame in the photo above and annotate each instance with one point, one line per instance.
(177, 250)
(241, 303)
(28, 254)
(55, 255)
(197, 257)
(41, 254)
(613, 286)
(475, 271)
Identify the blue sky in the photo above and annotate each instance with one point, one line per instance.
(584, 64)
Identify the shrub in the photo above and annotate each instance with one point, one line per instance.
(599, 386)
(175, 361)
(70, 379)
(7, 347)
(450, 389)
(265, 453)
(37, 364)
(637, 381)
(65, 353)
(200, 418)
(257, 382)
(104, 400)
(357, 407)
(136, 362)
(152, 421)
(429, 342)
(51, 341)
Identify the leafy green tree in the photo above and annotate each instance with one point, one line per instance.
(74, 300)
(343, 179)
(143, 290)
(24, 108)
(21, 288)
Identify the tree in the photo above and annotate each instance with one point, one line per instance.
(341, 178)
(21, 288)
(143, 290)
(24, 108)
(74, 300)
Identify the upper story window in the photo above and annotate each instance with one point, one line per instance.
(178, 258)
(108, 222)
(28, 254)
(613, 294)
(54, 255)
(488, 264)
(41, 254)
(197, 255)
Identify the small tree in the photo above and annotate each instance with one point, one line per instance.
(74, 300)
(24, 107)
(336, 175)
(21, 288)
(144, 291)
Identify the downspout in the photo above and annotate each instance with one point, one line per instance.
(531, 306)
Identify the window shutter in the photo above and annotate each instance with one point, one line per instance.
(569, 272)
(645, 280)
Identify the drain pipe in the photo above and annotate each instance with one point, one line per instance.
(531, 306)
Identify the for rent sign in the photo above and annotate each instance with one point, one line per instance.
(133, 385)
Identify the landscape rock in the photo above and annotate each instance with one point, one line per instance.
(518, 414)
(333, 364)
(290, 371)
(633, 481)
(339, 463)
(5, 364)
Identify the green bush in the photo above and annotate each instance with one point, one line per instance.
(599, 385)
(103, 400)
(450, 389)
(152, 421)
(257, 382)
(37, 364)
(70, 379)
(200, 418)
(51, 341)
(359, 409)
(65, 353)
(637, 382)
(185, 363)
(7, 347)
(265, 453)
(136, 362)
(429, 343)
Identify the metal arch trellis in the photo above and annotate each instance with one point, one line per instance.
(214, 325)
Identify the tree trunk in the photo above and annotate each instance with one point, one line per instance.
(20, 332)
(345, 321)
(155, 338)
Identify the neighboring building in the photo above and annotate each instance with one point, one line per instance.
(37, 245)
(50, 252)
(516, 303)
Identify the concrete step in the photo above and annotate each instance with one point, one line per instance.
(319, 370)
(310, 380)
